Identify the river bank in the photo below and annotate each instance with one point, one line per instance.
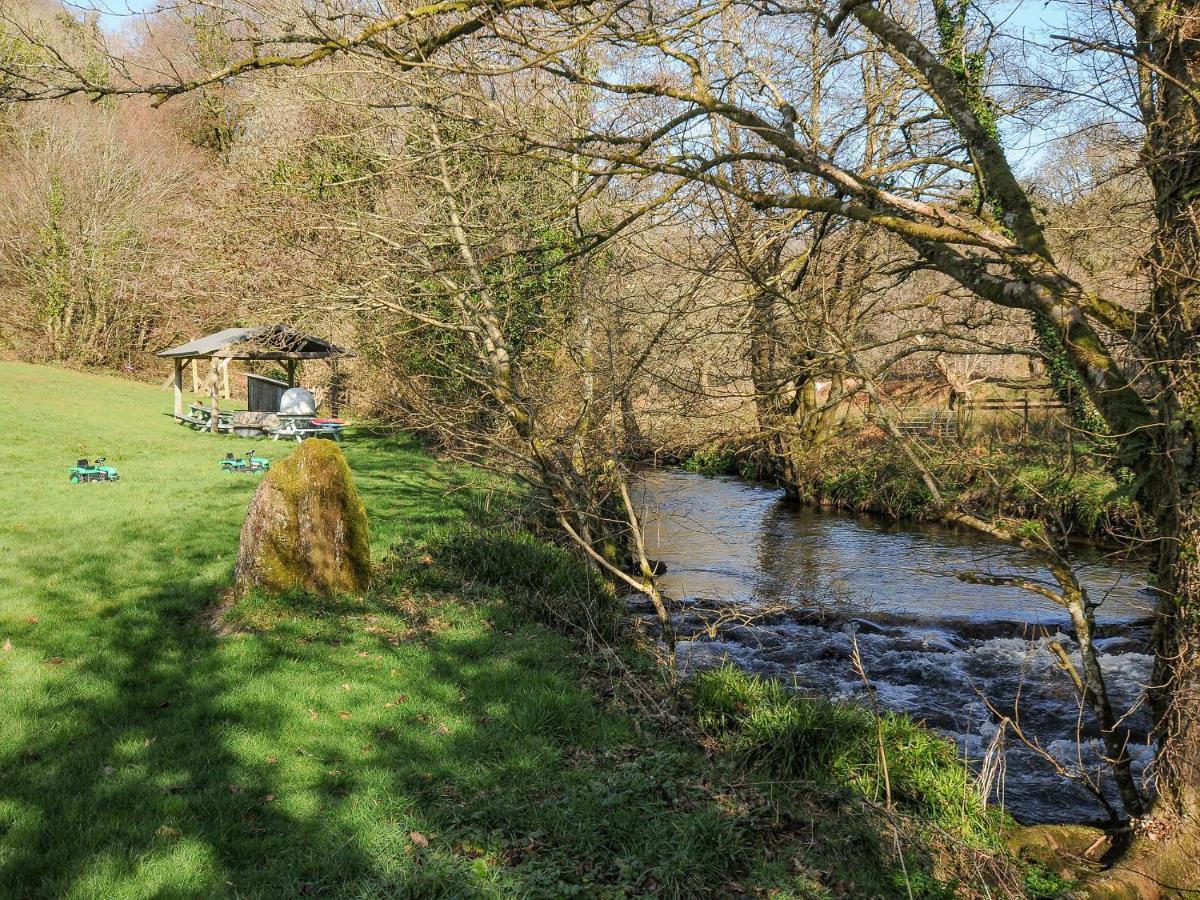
(1023, 479)
(796, 594)
(447, 734)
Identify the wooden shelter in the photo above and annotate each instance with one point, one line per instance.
(277, 343)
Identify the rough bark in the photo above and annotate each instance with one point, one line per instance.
(771, 408)
(1169, 40)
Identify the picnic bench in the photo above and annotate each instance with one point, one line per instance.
(200, 418)
(276, 425)
(301, 427)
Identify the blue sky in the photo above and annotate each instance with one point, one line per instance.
(114, 12)
(1035, 15)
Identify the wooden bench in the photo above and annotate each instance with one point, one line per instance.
(202, 417)
(190, 421)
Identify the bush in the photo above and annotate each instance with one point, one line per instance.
(749, 463)
(1088, 497)
(1021, 481)
(890, 484)
(711, 459)
(837, 745)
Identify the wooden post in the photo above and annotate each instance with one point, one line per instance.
(1025, 407)
(225, 378)
(195, 377)
(214, 383)
(335, 390)
(291, 370)
(179, 387)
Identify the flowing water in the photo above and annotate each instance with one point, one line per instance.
(795, 587)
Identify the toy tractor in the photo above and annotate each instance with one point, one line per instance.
(231, 464)
(97, 471)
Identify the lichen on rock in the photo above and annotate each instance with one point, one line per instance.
(306, 528)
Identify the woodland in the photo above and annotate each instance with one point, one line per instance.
(826, 246)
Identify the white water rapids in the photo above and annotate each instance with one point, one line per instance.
(934, 647)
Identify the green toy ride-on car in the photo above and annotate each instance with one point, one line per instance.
(251, 463)
(97, 471)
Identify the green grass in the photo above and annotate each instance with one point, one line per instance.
(433, 739)
(885, 757)
(142, 754)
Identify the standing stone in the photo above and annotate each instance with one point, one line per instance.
(306, 528)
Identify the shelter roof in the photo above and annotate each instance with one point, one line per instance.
(261, 342)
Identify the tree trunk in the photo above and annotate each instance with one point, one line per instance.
(770, 409)
(1168, 36)
(1175, 697)
(633, 442)
(1174, 491)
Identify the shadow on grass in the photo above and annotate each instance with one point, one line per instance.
(124, 783)
(396, 746)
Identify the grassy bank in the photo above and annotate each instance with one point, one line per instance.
(1022, 479)
(433, 739)
(913, 780)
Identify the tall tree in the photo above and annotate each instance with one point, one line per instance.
(947, 187)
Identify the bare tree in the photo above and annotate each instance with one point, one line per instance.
(945, 187)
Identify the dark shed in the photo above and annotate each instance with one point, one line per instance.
(264, 394)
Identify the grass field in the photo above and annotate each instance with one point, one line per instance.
(424, 741)
(408, 746)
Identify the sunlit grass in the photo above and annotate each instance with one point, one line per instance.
(884, 756)
(316, 747)
(433, 739)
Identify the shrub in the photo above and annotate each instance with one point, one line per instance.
(1086, 497)
(838, 745)
(711, 459)
(890, 485)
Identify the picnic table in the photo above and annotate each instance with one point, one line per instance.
(301, 427)
(200, 418)
(203, 416)
(296, 427)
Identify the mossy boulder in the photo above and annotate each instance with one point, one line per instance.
(306, 528)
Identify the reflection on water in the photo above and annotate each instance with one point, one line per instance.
(934, 646)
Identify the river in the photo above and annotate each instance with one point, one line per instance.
(933, 646)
